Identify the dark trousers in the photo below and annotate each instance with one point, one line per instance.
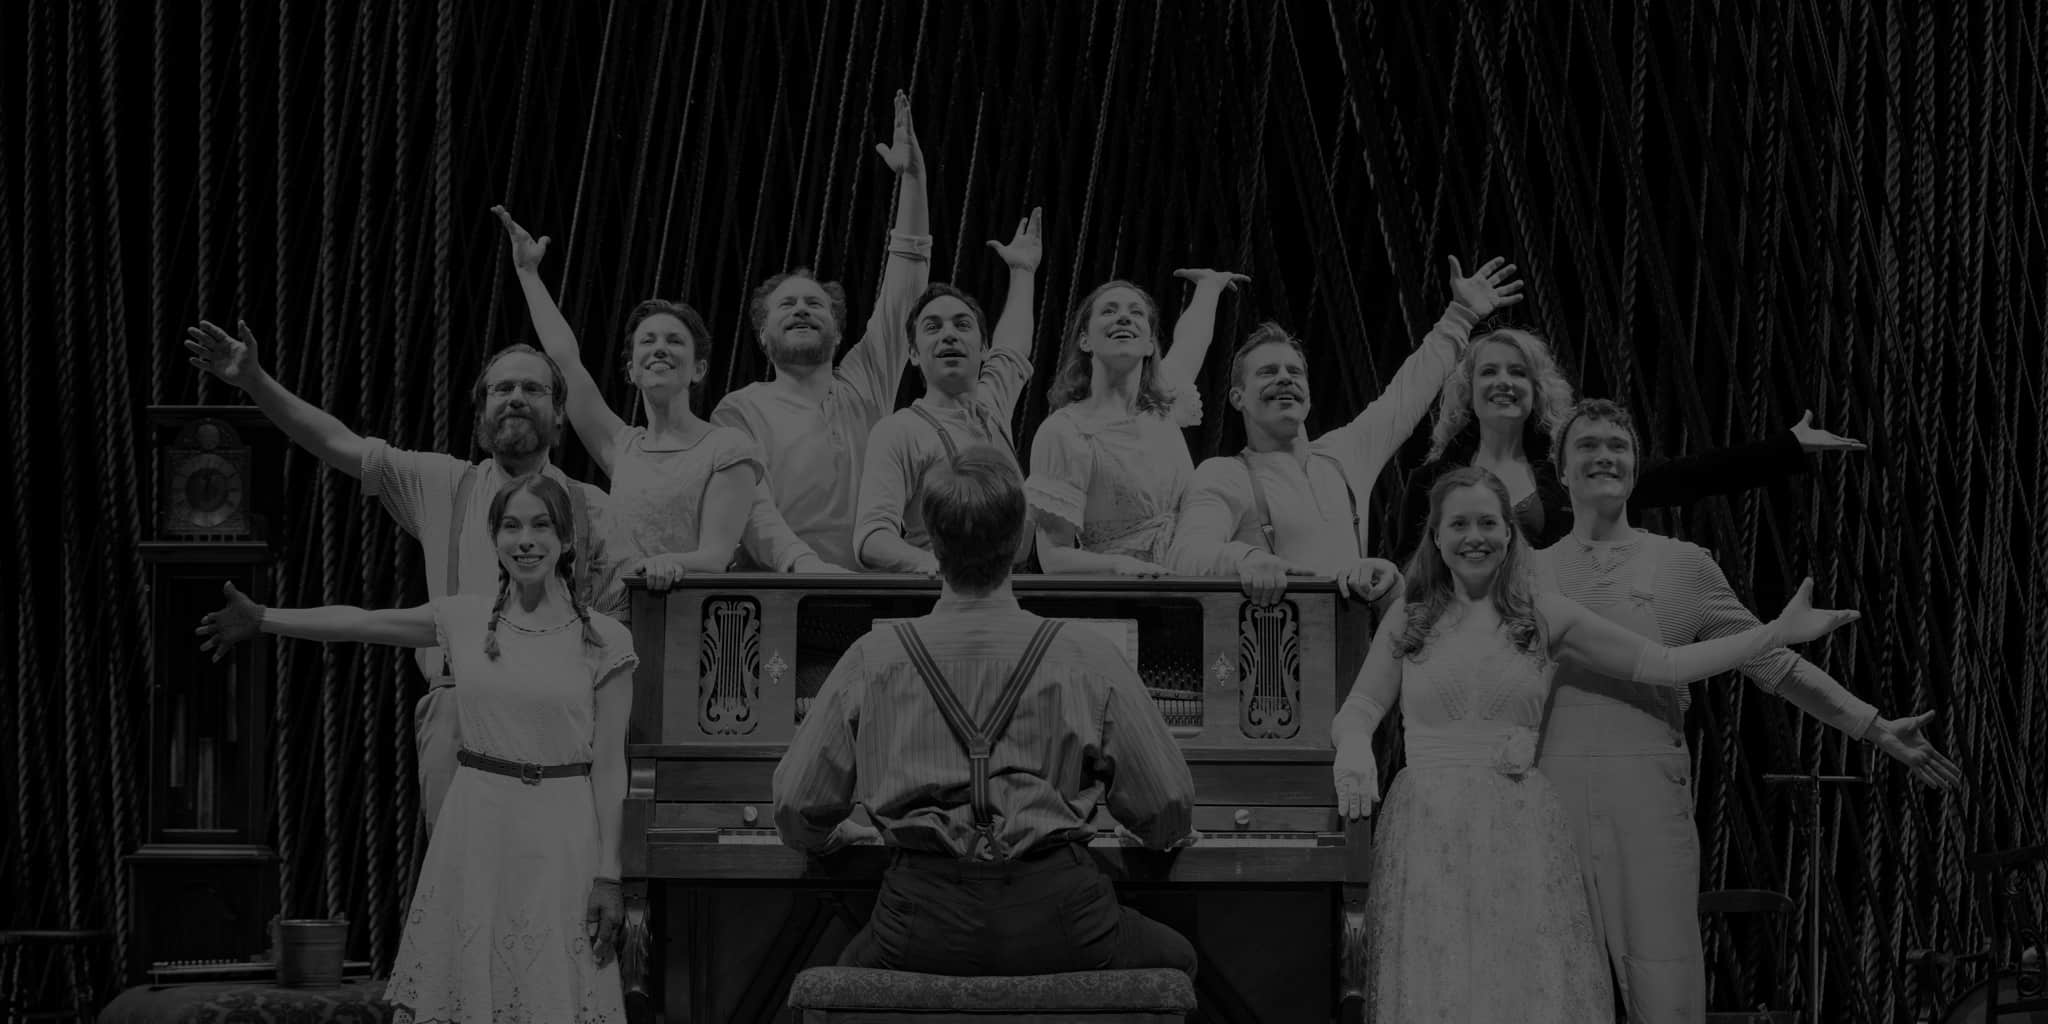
(1053, 913)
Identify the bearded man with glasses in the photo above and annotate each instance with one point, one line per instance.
(441, 500)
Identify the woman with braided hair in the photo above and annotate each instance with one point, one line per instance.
(518, 908)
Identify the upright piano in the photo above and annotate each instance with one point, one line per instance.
(1272, 895)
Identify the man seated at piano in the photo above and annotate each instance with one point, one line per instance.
(981, 739)
(970, 397)
(1289, 504)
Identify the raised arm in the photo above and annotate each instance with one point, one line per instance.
(233, 360)
(814, 782)
(1355, 770)
(1581, 636)
(1366, 443)
(1010, 344)
(243, 619)
(875, 365)
(596, 424)
(1196, 328)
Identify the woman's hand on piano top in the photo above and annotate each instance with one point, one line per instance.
(1127, 565)
(1357, 777)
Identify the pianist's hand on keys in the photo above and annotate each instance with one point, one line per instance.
(1127, 837)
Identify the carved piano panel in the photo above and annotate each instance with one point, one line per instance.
(730, 663)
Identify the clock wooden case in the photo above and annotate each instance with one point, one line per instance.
(205, 877)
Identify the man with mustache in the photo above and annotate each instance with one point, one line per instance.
(1615, 750)
(969, 400)
(1288, 505)
(812, 419)
(441, 500)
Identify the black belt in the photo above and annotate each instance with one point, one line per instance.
(531, 774)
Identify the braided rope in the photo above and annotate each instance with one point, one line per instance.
(285, 748)
(202, 270)
(332, 97)
(515, 152)
(75, 772)
(119, 515)
(444, 215)
(839, 132)
(1095, 148)
(604, 57)
(14, 364)
(374, 103)
(682, 120)
(159, 100)
(1632, 226)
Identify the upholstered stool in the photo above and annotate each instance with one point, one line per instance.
(860, 995)
(355, 1001)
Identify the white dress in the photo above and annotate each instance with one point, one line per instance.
(496, 928)
(1476, 911)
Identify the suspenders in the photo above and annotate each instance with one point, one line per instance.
(946, 437)
(1265, 512)
(979, 740)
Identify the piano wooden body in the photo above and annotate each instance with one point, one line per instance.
(1272, 896)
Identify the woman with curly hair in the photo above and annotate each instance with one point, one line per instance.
(1477, 911)
(1108, 467)
(1500, 410)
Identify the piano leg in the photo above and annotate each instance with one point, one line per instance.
(640, 956)
(1351, 955)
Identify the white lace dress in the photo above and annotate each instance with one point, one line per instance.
(496, 928)
(1476, 912)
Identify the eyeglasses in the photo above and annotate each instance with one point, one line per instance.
(532, 389)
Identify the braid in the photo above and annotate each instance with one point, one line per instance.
(497, 612)
(566, 569)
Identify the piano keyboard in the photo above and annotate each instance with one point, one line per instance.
(769, 837)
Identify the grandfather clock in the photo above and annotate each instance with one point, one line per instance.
(204, 883)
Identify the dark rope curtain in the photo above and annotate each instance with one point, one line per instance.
(1728, 212)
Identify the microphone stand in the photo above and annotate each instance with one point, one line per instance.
(1813, 780)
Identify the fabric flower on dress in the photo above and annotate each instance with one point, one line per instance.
(1517, 754)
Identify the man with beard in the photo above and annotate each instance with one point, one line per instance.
(970, 396)
(442, 501)
(1615, 750)
(811, 419)
(1288, 505)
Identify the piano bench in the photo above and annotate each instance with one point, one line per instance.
(860, 995)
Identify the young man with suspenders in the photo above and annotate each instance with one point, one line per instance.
(940, 727)
(439, 499)
(971, 390)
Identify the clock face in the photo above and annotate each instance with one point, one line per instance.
(205, 492)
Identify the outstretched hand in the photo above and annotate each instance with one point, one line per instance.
(527, 251)
(1492, 287)
(241, 620)
(1905, 740)
(1027, 247)
(1223, 279)
(232, 359)
(1801, 621)
(903, 155)
(1814, 439)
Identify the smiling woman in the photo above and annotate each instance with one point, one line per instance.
(683, 490)
(544, 697)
